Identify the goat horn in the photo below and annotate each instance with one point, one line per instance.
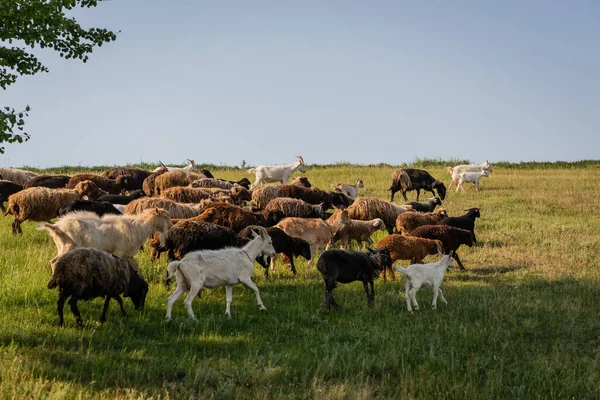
(301, 159)
(163, 165)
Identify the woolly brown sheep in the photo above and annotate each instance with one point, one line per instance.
(15, 175)
(315, 196)
(262, 195)
(43, 204)
(450, 237)
(368, 208)
(237, 218)
(174, 178)
(358, 230)
(408, 248)
(149, 184)
(407, 222)
(296, 208)
(137, 175)
(301, 181)
(176, 210)
(49, 181)
(111, 186)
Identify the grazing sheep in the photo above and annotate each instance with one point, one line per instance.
(348, 266)
(454, 171)
(425, 207)
(220, 183)
(470, 177)
(49, 181)
(315, 196)
(315, 231)
(121, 235)
(407, 222)
(237, 194)
(137, 175)
(237, 218)
(149, 184)
(450, 237)
(111, 186)
(123, 199)
(358, 230)
(296, 208)
(174, 178)
(7, 188)
(466, 221)
(15, 175)
(368, 208)
(408, 248)
(349, 190)
(99, 208)
(176, 210)
(284, 244)
(429, 275)
(263, 195)
(276, 173)
(407, 179)
(301, 181)
(214, 268)
(84, 274)
(43, 204)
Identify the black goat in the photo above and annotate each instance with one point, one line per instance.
(348, 266)
(6, 189)
(407, 179)
(49, 181)
(425, 207)
(122, 198)
(466, 221)
(98, 207)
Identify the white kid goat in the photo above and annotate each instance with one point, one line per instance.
(454, 171)
(429, 275)
(214, 268)
(276, 173)
(190, 167)
(349, 190)
(470, 177)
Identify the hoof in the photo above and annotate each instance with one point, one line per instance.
(263, 308)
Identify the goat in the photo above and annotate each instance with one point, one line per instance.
(408, 248)
(358, 230)
(214, 268)
(99, 208)
(466, 221)
(349, 190)
(49, 181)
(407, 179)
(348, 266)
(454, 171)
(190, 167)
(450, 237)
(425, 207)
(276, 173)
(368, 208)
(470, 177)
(429, 275)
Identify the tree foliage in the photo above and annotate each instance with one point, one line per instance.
(25, 24)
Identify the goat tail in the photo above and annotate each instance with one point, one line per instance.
(172, 268)
(252, 171)
(61, 239)
(450, 170)
(401, 269)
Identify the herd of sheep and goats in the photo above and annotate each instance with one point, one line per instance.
(213, 238)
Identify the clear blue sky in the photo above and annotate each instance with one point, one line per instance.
(358, 81)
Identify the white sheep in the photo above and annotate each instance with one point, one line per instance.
(470, 177)
(349, 190)
(429, 275)
(276, 173)
(214, 268)
(454, 171)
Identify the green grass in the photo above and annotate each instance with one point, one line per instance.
(522, 321)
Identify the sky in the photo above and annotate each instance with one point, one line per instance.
(332, 81)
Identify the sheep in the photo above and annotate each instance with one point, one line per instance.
(407, 222)
(174, 178)
(43, 204)
(429, 275)
(454, 171)
(296, 208)
(348, 266)
(137, 175)
(349, 190)
(237, 218)
(214, 268)
(84, 274)
(111, 186)
(368, 208)
(407, 179)
(213, 183)
(408, 248)
(262, 196)
(276, 173)
(99, 208)
(176, 210)
(358, 230)
(149, 184)
(425, 207)
(15, 175)
(123, 199)
(284, 244)
(194, 195)
(190, 167)
(466, 221)
(470, 177)
(450, 237)
(49, 181)
(301, 181)
(315, 196)
(121, 235)
(315, 231)
(7, 188)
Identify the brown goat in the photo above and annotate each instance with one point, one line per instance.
(408, 248)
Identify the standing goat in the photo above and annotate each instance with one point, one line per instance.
(407, 179)
(454, 171)
(349, 190)
(276, 173)
(429, 275)
(190, 167)
(214, 268)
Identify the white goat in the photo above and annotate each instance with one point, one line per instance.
(190, 167)
(349, 190)
(214, 268)
(454, 171)
(429, 275)
(470, 177)
(276, 173)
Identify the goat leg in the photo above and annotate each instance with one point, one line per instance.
(75, 310)
(105, 309)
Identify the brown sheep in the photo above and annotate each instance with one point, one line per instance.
(236, 218)
(137, 175)
(368, 208)
(407, 222)
(149, 184)
(174, 178)
(176, 210)
(358, 230)
(296, 208)
(409, 248)
(261, 196)
(15, 175)
(111, 186)
(450, 237)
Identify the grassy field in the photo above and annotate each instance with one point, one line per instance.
(522, 320)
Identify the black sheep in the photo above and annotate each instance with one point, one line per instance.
(6, 189)
(98, 207)
(430, 206)
(466, 221)
(407, 179)
(122, 198)
(315, 196)
(49, 181)
(451, 238)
